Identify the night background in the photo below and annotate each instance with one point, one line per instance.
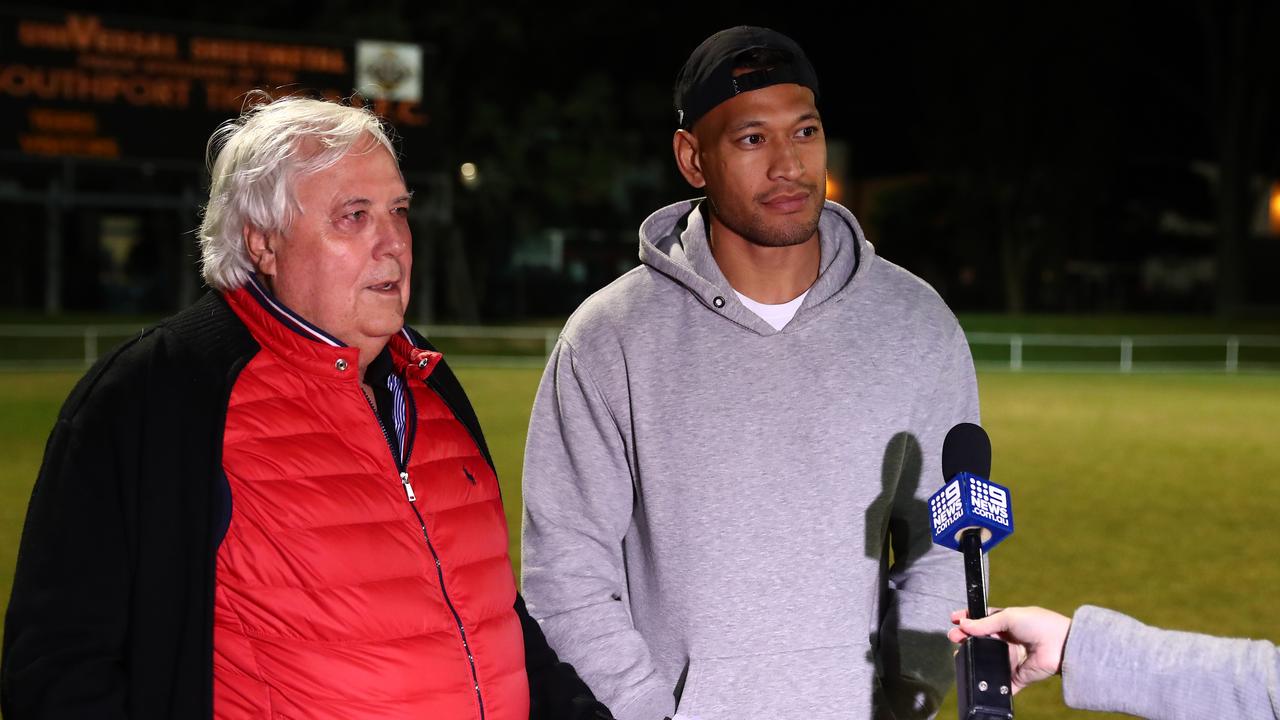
(1094, 188)
(1024, 158)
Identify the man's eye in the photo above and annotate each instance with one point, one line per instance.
(753, 139)
(809, 131)
(355, 215)
(401, 211)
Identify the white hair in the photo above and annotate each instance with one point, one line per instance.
(253, 161)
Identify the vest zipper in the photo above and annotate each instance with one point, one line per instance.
(403, 468)
(462, 631)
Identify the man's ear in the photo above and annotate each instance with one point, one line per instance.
(261, 247)
(688, 160)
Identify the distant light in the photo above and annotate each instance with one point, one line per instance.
(833, 188)
(470, 174)
(1274, 215)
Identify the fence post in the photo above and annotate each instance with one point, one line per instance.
(1233, 354)
(1126, 354)
(1015, 352)
(90, 345)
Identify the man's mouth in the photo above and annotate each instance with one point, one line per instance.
(385, 287)
(786, 202)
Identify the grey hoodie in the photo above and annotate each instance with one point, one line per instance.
(1114, 663)
(709, 501)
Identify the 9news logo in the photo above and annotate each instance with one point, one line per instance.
(989, 501)
(969, 501)
(946, 507)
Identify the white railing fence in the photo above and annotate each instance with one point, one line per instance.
(1018, 352)
(29, 347)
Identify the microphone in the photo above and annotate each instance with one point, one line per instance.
(971, 514)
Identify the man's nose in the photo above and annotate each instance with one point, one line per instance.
(393, 235)
(786, 163)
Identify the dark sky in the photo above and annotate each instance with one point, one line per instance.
(891, 73)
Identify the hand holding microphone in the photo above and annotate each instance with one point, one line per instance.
(1036, 637)
(1108, 661)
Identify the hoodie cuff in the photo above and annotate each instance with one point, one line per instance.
(1104, 664)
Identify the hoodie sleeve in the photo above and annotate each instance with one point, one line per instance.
(1114, 663)
(578, 501)
(555, 690)
(926, 581)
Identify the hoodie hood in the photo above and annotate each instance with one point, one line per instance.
(673, 241)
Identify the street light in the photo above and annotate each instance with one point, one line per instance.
(1274, 208)
(469, 174)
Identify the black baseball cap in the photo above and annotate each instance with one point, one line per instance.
(706, 80)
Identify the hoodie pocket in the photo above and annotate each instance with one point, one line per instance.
(813, 684)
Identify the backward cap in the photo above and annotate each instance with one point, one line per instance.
(707, 79)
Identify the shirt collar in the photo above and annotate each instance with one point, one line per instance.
(287, 317)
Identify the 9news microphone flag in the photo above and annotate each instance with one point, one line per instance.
(971, 514)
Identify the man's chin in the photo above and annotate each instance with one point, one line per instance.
(785, 235)
(783, 230)
(385, 325)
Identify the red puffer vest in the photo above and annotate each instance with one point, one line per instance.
(346, 587)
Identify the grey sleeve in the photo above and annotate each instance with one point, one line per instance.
(577, 509)
(926, 581)
(1115, 663)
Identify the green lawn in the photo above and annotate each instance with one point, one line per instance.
(1150, 494)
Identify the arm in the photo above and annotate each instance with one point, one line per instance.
(68, 614)
(1115, 663)
(577, 509)
(925, 580)
(555, 690)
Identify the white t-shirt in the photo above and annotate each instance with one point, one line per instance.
(776, 315)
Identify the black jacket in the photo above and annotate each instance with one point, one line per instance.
(112, 608)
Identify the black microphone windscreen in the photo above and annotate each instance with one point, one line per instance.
(966, 449)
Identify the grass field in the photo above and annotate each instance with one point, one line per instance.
(1154, 495)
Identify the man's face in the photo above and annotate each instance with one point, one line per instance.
(344, 263)
(763, 159)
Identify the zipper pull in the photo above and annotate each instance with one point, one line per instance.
(408, 488)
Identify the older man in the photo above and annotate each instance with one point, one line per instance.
(278, 503)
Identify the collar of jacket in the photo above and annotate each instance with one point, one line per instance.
(308, 348)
